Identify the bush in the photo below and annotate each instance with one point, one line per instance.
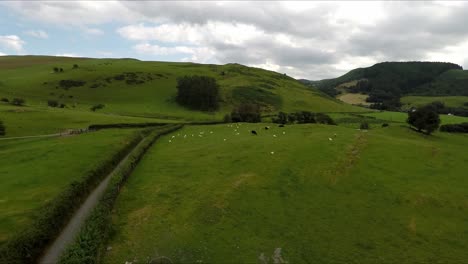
(97, 107)
(322, 118)
(364, 125)
(18, 101)
(455, 128)
(96, 230)
(198, 92)
(75, 66)
(52, 103)
(424, 118)
(5, 100)
(65, 84)
(227, 118)
(56, 69)
(385, 125)
(2, 128)
(246, 113)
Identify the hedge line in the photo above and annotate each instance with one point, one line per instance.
(27, 246)
(95, 232)
(123, 125)
(455, 128)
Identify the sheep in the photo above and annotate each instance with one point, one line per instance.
(284, 133)
(274, 135)
(330, 139)
(272, 152)
(253, 132)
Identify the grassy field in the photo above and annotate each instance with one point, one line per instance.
(354, 98)
(224, 197)
(401, 117)
(137, 88)
(33, 171)
(449, 101)
(28, 121)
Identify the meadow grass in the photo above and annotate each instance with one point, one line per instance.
(383, 196)
(449, 101)
(34, 171)
(29, 121)
(401, 117)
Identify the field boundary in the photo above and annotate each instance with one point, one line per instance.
(27, 245)
(90, 240)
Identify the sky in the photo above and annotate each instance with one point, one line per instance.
(311, 40)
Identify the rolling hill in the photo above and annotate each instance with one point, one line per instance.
(147, 89)
(385, 83)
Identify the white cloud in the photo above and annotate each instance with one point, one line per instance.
(304, 39)
(93, 31)
(195, 54)
(37, 34)
(2, 54)
(68, 55)
(12, 42)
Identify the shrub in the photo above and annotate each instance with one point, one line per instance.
(227, 118)
(455, 128)
(364, 125)
(198, 92)
(424, 118)
(2, 128)
(56, 69)
(282, 118)
(97, 107)
(62, 105)
(322, 118)
(246, 113)
(75, 66)
(385, 125)
(18, 101)
(71, 83)
(5, 100)
(52, 103)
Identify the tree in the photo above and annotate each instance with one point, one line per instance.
(227, 118)
(61, 69)
(2, 128)
(18, 101)
(198, 92)
(75, 66)
(364, 125)
(95, 107)
(56, 69)
(424, 118)
(246, 112)
(52, 103)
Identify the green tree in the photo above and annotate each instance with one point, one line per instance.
(198, 92)
(18, 101)
(2, 128)
(424, 118)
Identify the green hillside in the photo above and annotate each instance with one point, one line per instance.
(139, 88)
(385, 83)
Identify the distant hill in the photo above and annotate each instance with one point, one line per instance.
(386, 82)
(142, 88)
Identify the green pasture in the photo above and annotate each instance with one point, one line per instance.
(34, 171)
(449, 101)
(384, 196)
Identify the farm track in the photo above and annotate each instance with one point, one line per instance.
(66, 236)
(350, 159)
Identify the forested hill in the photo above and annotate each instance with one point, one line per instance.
(386, 82)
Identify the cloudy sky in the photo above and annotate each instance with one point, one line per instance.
(312, 40)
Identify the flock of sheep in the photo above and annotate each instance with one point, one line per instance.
(236, 127)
